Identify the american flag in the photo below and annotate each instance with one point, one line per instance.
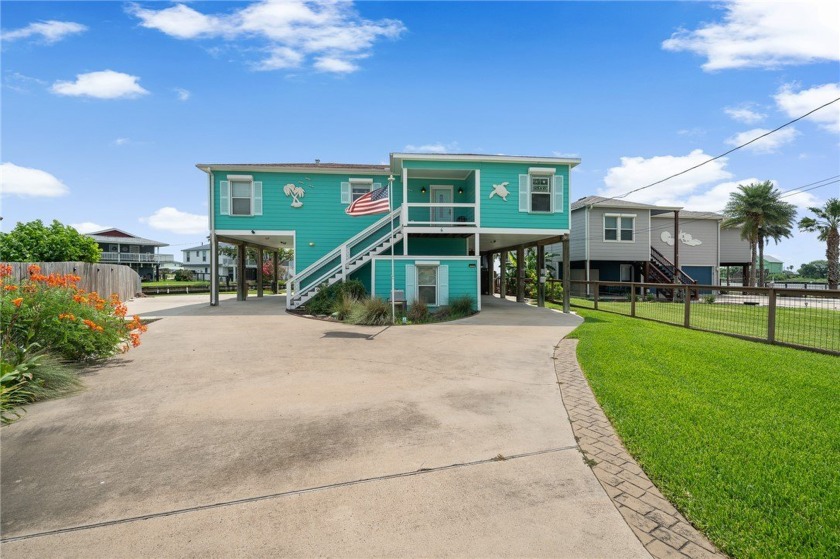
(373, 202)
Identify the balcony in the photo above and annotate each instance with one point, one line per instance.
(439, 215)
(135, 258)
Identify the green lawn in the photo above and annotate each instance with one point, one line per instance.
(812, 326)
(744, 438)
(173, 283)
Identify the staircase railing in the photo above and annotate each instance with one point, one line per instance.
(665, 271)
(343, 256)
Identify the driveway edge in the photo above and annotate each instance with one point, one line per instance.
(663, 531)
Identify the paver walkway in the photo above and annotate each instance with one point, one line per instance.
(660, 527)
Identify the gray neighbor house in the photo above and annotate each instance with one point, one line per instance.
(619, 240)
(197, 260)
(141, 255)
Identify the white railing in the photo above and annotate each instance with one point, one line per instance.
(439, 214)
(135, 257)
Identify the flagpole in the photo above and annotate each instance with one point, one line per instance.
(390, 212)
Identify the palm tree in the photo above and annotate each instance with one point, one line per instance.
(827, 224)
(760, 213)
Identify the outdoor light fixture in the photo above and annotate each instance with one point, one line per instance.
(460, 190)
(423, 190)
(312, 244)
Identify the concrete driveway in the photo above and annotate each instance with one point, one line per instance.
(242, 430)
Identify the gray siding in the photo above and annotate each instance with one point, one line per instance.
(703, 230)
(577, 236)
(637, 251)
(733, 249)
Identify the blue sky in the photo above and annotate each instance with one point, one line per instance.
(107, 106)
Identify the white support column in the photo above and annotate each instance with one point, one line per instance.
(478, 270)
(477, 200)
(214, 270)
(404, 208)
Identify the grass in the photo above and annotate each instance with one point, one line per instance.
(173, 283)
(811, 326)
(743, 438)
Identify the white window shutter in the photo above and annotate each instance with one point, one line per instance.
(224, 197)
(558, 194)
(410, 283)
(346, 193)
(443, 285)
(258, 199)
(523, 193)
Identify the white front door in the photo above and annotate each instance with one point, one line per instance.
(441, 195)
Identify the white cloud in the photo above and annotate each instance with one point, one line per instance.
(769, 144)
(796, 103)
(176, 221)
(335, 65)
(715, 198)
(183, 94)
(50, 31)
(744, 114)
(122, 141)
(106, 84)
(565, 154)
(758, 33)
(437, 147)
(88, 227)
(635, 172)
(331, 33)
(26, 182)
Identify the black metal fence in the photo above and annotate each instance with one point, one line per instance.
(801, 318)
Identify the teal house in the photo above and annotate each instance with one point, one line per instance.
(442, 217)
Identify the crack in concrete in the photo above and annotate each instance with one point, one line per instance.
(293, 492)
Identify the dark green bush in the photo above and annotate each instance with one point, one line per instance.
(461, 306)
(325, 300)
(418, 312)
(184, 275)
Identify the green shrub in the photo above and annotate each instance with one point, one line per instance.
(344, 306)
(371, 312)
(418, 312)
(461, 306)
(184, 275)
(52, 312)
(326, 299)
(709, 299)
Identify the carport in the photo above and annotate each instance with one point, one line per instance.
(262, 241)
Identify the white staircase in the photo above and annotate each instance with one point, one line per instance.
(339, 263)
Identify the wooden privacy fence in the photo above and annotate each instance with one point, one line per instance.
(105, 279)
(805, 319)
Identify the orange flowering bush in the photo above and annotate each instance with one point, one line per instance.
(54, 313)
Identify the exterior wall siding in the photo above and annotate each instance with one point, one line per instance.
(463, 279)
(443, 246)
(637, 251)
(320, 224)
(703, 230)
(497, 213)
(733, 249)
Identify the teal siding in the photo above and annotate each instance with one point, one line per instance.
(320, 221)
(462, 279)
(363, 275)
(496, 212)
(431, 246)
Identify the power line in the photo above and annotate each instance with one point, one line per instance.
(728, 152)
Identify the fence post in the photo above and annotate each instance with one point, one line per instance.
(632, 299)
(687, 295)
(771, 316)
(597, 290)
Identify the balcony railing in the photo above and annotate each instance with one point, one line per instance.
(135, 257)
(439, 215)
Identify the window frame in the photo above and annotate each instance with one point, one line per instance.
(367, 183)
(619, 217)
(436, 268)
(240, 178)
(550, 194)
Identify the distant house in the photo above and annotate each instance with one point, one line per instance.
(773, 265)
(197, 260)
(121, 247)
(619, 240)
